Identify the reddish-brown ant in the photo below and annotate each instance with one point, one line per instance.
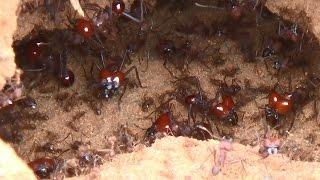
(43, 167)
(40, 57)
(163, 124)
(110, 79)
(225, 111)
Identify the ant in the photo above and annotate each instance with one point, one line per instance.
(163, 124)
(43, 167)
(35, 55)
(271, 144)
(280, 106)
(12, 91)
(110, 79)
(147, 103)
(233, 8)
(196, 102)
(225, 89)
(199, 130)
(225, 110)
(102, 15)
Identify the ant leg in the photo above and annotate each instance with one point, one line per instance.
(141, 11)
(121, 95)
(207, 6)
(190, 115)
(167, 68)
(125, 54)
(147, 63)
(137, 74)
(131, 17)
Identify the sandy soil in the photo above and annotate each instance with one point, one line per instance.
(301, 144)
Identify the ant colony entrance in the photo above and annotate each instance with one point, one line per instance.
(127, 74)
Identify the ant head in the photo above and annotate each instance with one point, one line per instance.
(232, 118)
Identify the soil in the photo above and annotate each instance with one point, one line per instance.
(301, 143)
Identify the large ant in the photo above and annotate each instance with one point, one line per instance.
(225, 110)
(35, 55)
(111, 78)
(163, 124)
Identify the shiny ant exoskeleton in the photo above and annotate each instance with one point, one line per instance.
(225, 111)
(278, 108)
(36, 55)
(190, 93)
(111, 78)
(164, 123)
(43, 167)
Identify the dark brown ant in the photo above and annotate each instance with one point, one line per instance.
(199, 130)
(126, 139)
(147, 103)
(225, 89)
(195, 100)
(40, 57)
(117, 8)
(49, 147)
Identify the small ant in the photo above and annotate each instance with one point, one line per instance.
(11, 92)
(271, 144)
(233, 7)
(43, 167)
(147, 103)
(225, 89)
(102, 15)
(196, 102)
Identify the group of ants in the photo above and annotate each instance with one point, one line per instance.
(37, 53)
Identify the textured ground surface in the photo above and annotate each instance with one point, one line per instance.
(164, 155)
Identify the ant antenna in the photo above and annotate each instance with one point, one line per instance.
(125, 54)
(207, 6)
